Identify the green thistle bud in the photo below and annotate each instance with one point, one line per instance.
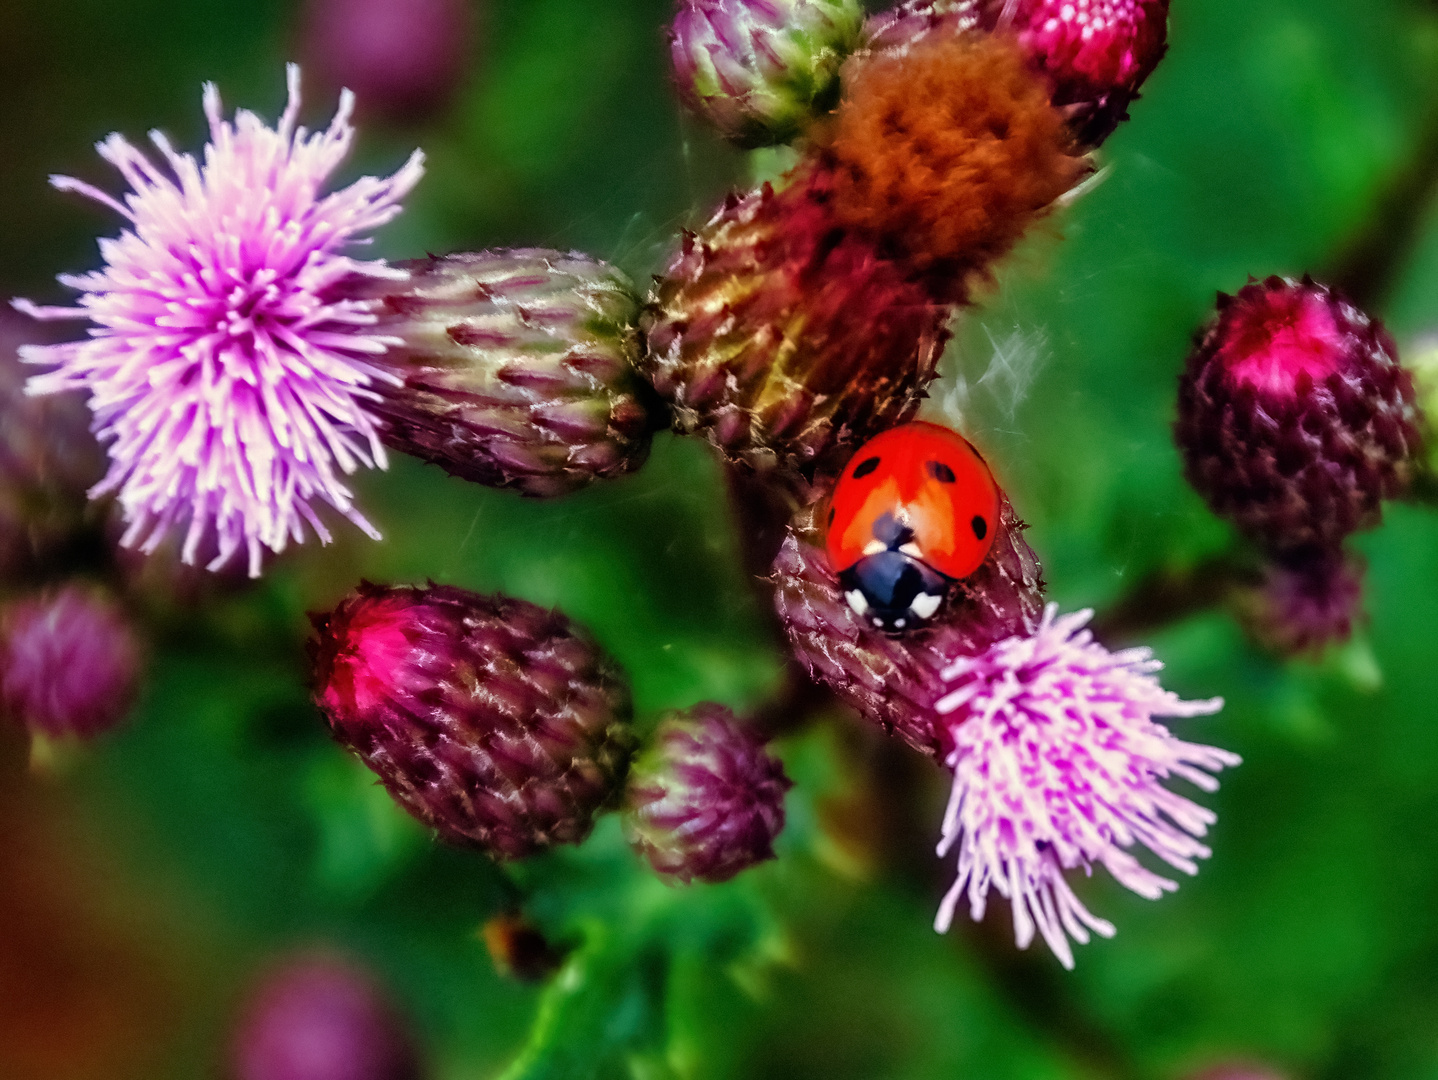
(516, 369)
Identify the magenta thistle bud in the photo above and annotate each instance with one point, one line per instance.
(705, 800)
(317, 1016)
(761, 70)
(1058, 764)
(69, 664)
(496, 722)
(1294, 417)
(48, 460)
(1304, 603)
(1094, 53)
(785, 341)
(230, 380)
(515, 369)
(895, 681)
(404, 59)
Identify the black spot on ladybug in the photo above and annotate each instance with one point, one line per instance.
(941, 472)
(980, 526)
(831, 515)
(865, 467)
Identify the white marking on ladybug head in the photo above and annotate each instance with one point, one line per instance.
(899, 624)
(873, 547)
(857, 601)
(878, 622)
(925, 604)
(912, 549)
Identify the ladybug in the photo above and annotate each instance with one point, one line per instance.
(914, 510)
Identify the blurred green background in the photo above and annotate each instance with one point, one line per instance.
(140, 886)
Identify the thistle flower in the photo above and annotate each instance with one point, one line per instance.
(69, 664)
(945, 154)
(761, 70)
(1294, 417)
(317, 1016)
(1304, 603)
(1095, 54)
(1058, 764)
(704, 800)
(404, 59)
(48, 459)
(230, 380)
(497, 723)
(785, 341)
(515, 369)
(894, 682)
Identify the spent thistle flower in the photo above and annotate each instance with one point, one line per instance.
(1304, 602)
(318, 1016)
(69, 663)
(761, 70)
(704, 800)
(1058, 764)
(229, 377)
(495, 722)
(1295, 419)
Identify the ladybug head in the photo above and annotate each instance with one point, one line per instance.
(893, 591)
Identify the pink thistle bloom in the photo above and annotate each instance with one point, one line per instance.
(226, 368)
(1057, 765)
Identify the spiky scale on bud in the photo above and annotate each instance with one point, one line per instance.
(69, 663)
(705, 800)
(898, 28)
(1095, 54)
(496, 722)
(895, 681)
(318, 1016)
(785, 341)
(1295, 418)
(761, 70)
(517, 368)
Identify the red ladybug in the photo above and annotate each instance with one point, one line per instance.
(914, 511)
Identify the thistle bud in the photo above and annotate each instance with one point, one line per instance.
(497, 723)
(895, 681)
(761, 70)
(899, 28)
(1304, 603)
(48, 461)
(319, 1017)
(786, 341)
(516, 369)
(69, 664)
(1095, 54)
(704, 800)
(1295, 419)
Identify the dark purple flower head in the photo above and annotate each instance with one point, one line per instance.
(48, 460)
(317, 1016)
(1058, 764)
(230, 380)
(1095, 53)
(761, 70)
(704, 801)
(1294, 417)
(69, 663)
(1305, 603)
(496, 722)
(403, 59)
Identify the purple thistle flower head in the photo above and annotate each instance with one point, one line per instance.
(1058, 764)
(225, 369)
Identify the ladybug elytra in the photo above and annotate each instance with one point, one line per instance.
(914, 510)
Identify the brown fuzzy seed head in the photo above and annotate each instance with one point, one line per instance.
(948, 152)
(516, 368)
(494, 721)
(1295, 418)
(894, 681)
(784, 339)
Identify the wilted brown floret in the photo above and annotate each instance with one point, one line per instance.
(948, 152)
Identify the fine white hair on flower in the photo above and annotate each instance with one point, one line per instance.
(227, 372)
(1058, 764)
